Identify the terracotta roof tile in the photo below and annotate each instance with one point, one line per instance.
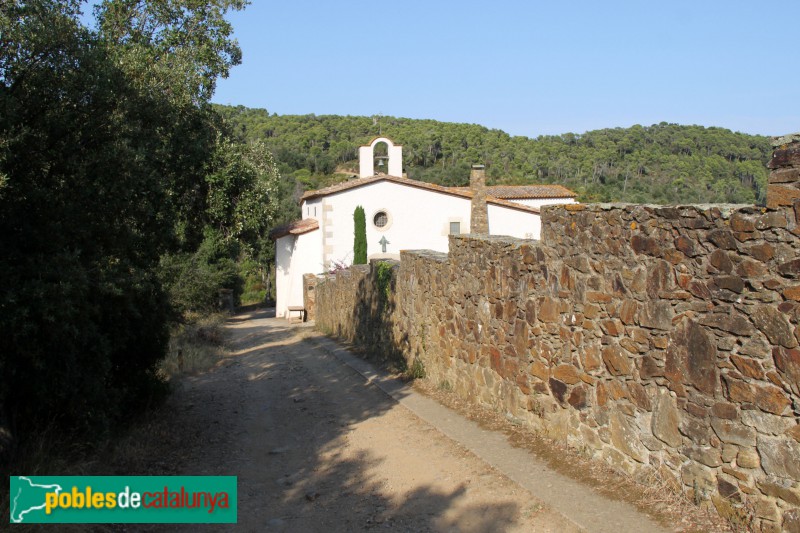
(463, 192)
(298, 227)
(525, 192)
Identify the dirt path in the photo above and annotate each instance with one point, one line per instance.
(320, 445)
(316, 448)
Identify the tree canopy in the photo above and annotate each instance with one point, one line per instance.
(662, 163)
(110, 158)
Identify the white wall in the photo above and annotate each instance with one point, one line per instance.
(418, 219)
(507, 221)
(312, 209)
(283, 258)
(295, 256)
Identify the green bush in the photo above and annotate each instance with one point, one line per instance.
(193, 280)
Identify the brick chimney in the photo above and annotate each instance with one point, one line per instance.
(783, 189)
(479, 217)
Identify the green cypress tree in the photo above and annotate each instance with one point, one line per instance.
(360, 238)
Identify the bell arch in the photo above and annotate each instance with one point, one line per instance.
(366, 158)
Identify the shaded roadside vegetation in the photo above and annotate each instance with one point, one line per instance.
(125, 204)
(662, 163)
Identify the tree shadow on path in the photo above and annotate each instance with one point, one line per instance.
(277, 413)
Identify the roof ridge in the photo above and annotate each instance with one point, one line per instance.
(455, 191)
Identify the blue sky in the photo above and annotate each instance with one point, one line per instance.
(527, 67)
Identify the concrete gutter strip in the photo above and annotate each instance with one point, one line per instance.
(575, 501)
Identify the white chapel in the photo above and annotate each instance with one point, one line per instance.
(402, 214)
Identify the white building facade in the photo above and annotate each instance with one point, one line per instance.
(401, 214)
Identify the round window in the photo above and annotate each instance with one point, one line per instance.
(380, 219)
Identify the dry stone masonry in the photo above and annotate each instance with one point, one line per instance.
(658, 339)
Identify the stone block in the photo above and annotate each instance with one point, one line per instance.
(792, 293)
(755, 348)
(666, 419)
(645, 245)
(691, 357)
(597, 297)
(748, 458)
(685, 245)
(656, 315)
(617, 390)
(762, 252)
(617, 362)
(742, 222)
(790, 269)
(772, 219)
(696, 475)
(723, 239)
(650, 368)
(530, 312)
(567, 373)
(732, 322)
(771, 399)
(697, 430)
(791, 521)
(739, 391)
(733, 432)
(539, 370)
(629, 345)
(747, 366)
(767, 423)
(578, 398)
(625, 438)
(660, 278)
(779, 457)
(720, 260)
(729, 452)
(728, 490)
(612, 326)
(703, 454)
(780, 195)
(793, 432)
(785, 175)
(558, 388)
(774, 325)
(751, 269)
(725, 410)
(788, 363)
(731, 283)
(591, 359)
(780, 489)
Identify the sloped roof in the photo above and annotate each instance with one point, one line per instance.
(298, 227)
(527, 192)
(463, 192)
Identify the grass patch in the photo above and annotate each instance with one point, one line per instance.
(194, 346)
(417, 369)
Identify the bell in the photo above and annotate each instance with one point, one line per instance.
(380, 162)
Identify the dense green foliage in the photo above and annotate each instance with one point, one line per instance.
(360, 236)
(115, 176)
(237, 210)
(662, 163)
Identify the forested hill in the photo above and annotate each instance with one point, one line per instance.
(663, 163)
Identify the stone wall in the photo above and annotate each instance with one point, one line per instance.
(654, 338)
(783, 189)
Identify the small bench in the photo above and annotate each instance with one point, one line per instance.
(296, 309)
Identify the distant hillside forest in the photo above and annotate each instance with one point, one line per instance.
(663, 163)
